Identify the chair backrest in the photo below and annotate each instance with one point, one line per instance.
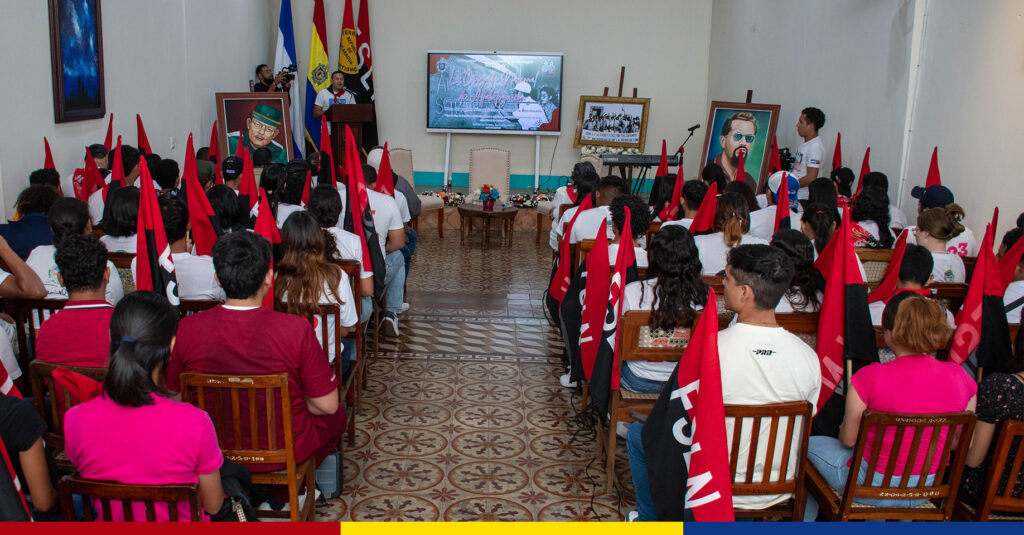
(632, 327)
(97, 230)
(561, 210)
(60, 400)
(773, 439)
(997, 494)
(582, 249)
(654, 228)
(401, 163)
(803, 324)
(28, 315)
(331, 315)
(260, 400)
(123, 263)
(598, 164)
(489, 166)
(106, 492)
(935, 437)
(950, 294)
(875, 262)
(187, 307)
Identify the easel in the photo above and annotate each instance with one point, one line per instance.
(622, 77)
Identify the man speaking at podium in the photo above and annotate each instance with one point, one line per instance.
(336, 94)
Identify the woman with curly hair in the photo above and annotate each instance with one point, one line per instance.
(673, 294)
(808, 286)
(871, 219)
(732, 224)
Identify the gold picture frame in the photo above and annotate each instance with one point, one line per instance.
(612, 122)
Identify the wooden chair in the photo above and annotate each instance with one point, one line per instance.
(97, 230)
(108, 491)
(489, 166)
(716, 283)
(769, 472)
(43, 385)
(28, 315)
(950, 294)
(941, 492)
(187, 307)
(598, 164)
(401, 163)
(653, 229)
(997, 493)
(622, 402)
(875, 262)
(270, 433)
(123, 263)
(352, 382)
(969, 262)
(803, 324)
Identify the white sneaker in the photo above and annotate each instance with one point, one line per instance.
(632, 516)
(621, 429)
(405, 307)
(566, 382)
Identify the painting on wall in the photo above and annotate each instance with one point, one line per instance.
(76, 56)
(736, 128)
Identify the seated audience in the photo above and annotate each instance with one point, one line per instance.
(897, 220)
(402, 185)
(714, 174)
(591, 221)
(1000, 398)
(45, 177)
(661, 194)
(807, 289)
(963, 243)
(325, 206)
(21, 431)
(639, 222)
(231, 171)
(915, 382)
(935, 228)
(31, 230)
(586, 186)
(387, 221)
(692, 196)
(68, 217)
(745, 191)
(1013, 299)
(166, 175)
(307, 279)
(762, 221)
(98, 208)
(822, 190)
(761, 363)
(205, 170)
(243, 337)
(914, 276)
(870, 214)
(273, 178)
(20, 283)
(842, 178)
(289, 197)
(76, 335)
(404, 209)
(818, 223)
(134, 433)
(562, 195)
(732, 224)
(228, 208)
(121, 220)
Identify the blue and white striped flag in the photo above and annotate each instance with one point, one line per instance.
(284, 57)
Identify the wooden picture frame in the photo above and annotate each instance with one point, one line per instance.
(234, 108)
(766, 117)
(611, 110)
(76, 60)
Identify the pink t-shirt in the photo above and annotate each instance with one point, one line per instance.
(160, 444)
(916, 384)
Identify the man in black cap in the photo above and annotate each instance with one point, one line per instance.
(231, 171)
(938, 196)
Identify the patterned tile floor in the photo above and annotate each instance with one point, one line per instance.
(463, 417)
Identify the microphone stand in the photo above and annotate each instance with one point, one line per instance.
(685, 140)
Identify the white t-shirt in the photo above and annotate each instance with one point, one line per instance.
(876, 308)
(386, 216)
(350, 247)
(7, 357)
(713, 251)
(787, 304)
(949, 267)
(639, 295)
(42, 260)
(638, 252)
(685, 222)
(762, 365)
(964, 244)
(284, 210)
(347, 312)
(762, 222)
(561, 197)
(589, 222)
(120, 244)
(403, 206)
(196, 277)
(897, 219)
(95, 203)
(809, 154)
(1014, 292)
(326, 98)
(556, 227)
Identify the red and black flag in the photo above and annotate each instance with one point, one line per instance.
(774, 161)
(891, 279)
(981, 326)
(865, 168)
(385, 179)
(605, 376)
(267, 227)
(326, 164)
(141, 133)
(355, 62)
(359, 216)
(688, 464)
(934, 179)
(671, 210)
(7, 387)
(782, 210)
(837, 154)
(594, 299)
(1009, 262)
(48, 158)
(92, 180)
(13, 507)
(248, 191)
(205, 224)
(844, 326)
(663, 162)
(108, 141)
(563, 273)
(704, 220)
(154, 268)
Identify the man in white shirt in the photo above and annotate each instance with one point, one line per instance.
(810, 153)
(762, 222)
(915, 275)
(336, 94)
(387, 221)
(590, 221)
(692, 197)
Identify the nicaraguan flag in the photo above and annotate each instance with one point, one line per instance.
(284, 57)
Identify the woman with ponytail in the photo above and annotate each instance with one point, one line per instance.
(935, 227)
(818, 223)
(306, 279)
(732, 223)
(134, 433)
(673, 293)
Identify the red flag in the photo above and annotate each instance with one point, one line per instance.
(200, 213)
(595, 301)
(359, 215)
(108, 141)
(891, 279)
(325, 147)
(213, 148)
(981, 323)
(385, 179)
(671, 210)
(116, 171)
(81, 387)
(775, 162)
(247, 188)
(48, 159)
(1008, 263)
(741, 172)
(844, 327)
(782, 205)
(933, 170)
(305, 189)
(154, 268)
(218, 180)
(704, 221)
(93, 180)
(563, 274)
(865, 168)
(14, 475)
(7, 386)
(663, 162)
(267, 227)
(837, 154)
(143, 139)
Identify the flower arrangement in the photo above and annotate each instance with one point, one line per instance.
(601, 149)
(450, 198)
(487, 193)
(528, 201)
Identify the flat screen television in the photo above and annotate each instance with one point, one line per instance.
(494, 92)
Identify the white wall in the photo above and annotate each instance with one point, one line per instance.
(163, 59)
(662, 43)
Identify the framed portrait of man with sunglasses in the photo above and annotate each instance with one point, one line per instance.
(256, 120)
(738, 128)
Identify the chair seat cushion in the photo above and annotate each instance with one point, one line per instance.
(429, 202)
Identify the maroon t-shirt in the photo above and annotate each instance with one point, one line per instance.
(258, 341)
(77, 335)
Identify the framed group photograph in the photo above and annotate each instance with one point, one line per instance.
(739, 127)
(612, 122)
(256, 120)
(76, 59)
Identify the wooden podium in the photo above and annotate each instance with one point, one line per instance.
(353, 115)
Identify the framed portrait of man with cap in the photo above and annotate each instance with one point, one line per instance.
(256, 120)
(740, 129)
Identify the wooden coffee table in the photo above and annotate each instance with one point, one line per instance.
(506, 216)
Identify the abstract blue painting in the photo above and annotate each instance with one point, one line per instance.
(76, 49)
